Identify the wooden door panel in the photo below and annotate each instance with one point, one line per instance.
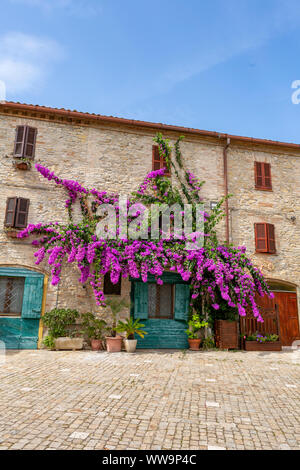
(288, 316)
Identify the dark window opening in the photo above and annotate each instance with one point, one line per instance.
(11, 295)
(109, 288)
(161, 301)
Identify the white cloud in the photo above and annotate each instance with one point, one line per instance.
(25, 60)
(71, 7)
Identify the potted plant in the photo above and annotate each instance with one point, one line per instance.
(93, 327)
(22, 164)
(11, 232)
(262, 342)
(61, 333)
(114, 342)
(131, 327)
(195, 325)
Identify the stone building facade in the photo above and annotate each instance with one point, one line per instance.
(115, 154)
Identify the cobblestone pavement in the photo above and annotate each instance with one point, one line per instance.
(149, 400)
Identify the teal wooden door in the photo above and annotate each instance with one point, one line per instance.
(19, 330)
(163, 333)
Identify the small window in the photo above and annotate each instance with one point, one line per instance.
(110, 288)
(16, 212)
(265, 238)
(25, 142)
(11, 295)
(263, 176)
(158, 161)
(160, 301)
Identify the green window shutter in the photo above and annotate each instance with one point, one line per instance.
(141, 300)
(33, 295)
(182, 301)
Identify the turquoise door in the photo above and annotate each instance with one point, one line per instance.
(163, 310)
(21, 293)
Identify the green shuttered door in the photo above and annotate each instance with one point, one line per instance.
(21, 332)
(163, 333)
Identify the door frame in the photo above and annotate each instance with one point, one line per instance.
(24, 271)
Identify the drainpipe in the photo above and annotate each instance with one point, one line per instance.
(226, 189)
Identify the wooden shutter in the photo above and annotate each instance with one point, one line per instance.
(155, 158)
(271, 238)
(262, 173)
(261, 243)
(30, 139)
(109, 288)
(258, 174)
(159, 162)
(11, 205)
(33, 295)
(267, 176)
(182, 301)
(21, 213)
(20, 141)
(141, 300)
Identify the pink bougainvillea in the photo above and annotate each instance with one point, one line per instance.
(219, 270)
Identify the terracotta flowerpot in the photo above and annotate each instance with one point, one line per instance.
(96, 344)
(194, 344)
(12, 233)
(22, 166)
(113, 343)
(130, 345)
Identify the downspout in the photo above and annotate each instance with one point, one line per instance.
(226, 189)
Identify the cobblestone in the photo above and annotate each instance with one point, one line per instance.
(150, 400)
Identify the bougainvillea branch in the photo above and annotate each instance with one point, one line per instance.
(212, 269)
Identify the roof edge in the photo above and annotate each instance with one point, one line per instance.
(143, 124)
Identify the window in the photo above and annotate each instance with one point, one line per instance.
(262, 173)
(265, 238)
(16, 212)
(110, 288)
(25, 142)
(159, 162)
(160, 301)
(11, 295)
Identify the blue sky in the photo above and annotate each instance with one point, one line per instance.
(220, 65)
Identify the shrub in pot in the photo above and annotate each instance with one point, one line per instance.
(94, 328)
(61, 333)
(262, 342)
(114, 342)
(131, 327)
(195, 325)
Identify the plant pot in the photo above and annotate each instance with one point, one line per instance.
(66, 343)
(113, 343)
(22, 165)
(130, 345)
(194, 344)
(96, 344)
(267, 346)
(12, 233)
